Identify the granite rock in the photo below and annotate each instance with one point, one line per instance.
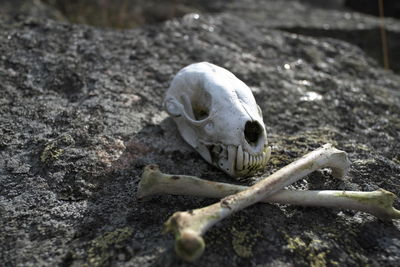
(81, 116)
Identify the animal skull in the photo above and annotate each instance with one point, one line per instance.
(216, 114)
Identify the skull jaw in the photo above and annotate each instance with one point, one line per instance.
(240, 160)
(233, 160)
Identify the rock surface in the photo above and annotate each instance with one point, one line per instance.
(81, 116)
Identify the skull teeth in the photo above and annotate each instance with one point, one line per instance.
(267, 156)
(245, 161)
(239, 158)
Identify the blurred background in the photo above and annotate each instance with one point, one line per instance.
(133, 13)
(380, 42)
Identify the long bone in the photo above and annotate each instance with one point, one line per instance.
(378, 203)
(189, 226)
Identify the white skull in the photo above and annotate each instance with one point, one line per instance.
(216, 113)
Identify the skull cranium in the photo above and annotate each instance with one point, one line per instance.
(216, 113)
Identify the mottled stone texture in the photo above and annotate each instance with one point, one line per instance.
(80, 115)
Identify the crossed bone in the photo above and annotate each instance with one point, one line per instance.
(189, 226)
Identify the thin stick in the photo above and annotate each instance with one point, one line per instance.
(378, 203)
(383, 36)
(190, 225)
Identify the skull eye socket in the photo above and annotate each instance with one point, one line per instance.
(201, 104)
(252, 132)
(200, 112)
(198, 105)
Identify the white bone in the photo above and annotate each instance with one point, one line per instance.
(189, 226)
(212, 108)
(378, 203)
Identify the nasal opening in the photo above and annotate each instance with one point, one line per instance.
(253, 132)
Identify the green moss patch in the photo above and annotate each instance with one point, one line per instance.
(244, 238)
(55, 148)
(243, 241)
(308, 251)
(102, 248)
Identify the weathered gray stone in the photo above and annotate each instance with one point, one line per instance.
(80, 115)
